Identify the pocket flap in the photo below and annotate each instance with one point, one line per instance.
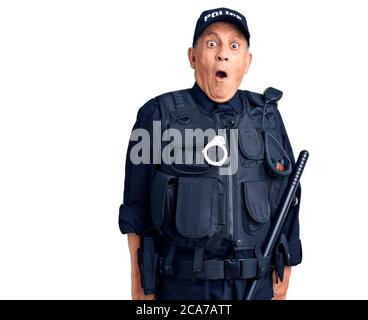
(257, 202)
(158, 196)
(251, 143)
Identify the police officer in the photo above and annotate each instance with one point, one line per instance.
(194, 233)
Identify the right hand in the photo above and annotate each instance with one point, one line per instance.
(137, 290)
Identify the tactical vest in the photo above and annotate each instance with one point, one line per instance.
(193, 205)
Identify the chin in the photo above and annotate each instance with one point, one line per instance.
(224, 93)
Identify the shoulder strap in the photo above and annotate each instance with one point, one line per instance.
(184, 106)
(177, 105)
(179, 101)
(166, 104)
(272, 96)
(260, 110)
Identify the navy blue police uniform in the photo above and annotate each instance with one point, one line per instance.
(135, 216)
(202, 232)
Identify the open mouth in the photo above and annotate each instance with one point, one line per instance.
(221, 74)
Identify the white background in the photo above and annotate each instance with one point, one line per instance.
(72, 77)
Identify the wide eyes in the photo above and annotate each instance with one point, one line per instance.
(213, 44)
(234, 45)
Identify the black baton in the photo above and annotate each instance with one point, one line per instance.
(282, 211)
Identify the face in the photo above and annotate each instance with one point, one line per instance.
(220, 59)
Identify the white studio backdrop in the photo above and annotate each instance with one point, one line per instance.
(73, 75)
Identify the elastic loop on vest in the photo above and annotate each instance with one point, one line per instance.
(198, 263)
(169, 259)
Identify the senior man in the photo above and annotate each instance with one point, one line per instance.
(195, 230)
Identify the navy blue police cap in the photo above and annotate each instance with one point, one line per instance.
(220, 15)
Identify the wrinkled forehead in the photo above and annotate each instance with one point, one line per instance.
(223, 29)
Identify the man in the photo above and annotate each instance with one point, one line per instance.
(202, 230)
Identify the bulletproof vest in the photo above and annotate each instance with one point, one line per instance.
(194, 204)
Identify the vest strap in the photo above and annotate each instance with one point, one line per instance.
(183, 116)
(168, 268)
(198, 263)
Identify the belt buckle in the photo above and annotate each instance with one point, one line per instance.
(232, 269)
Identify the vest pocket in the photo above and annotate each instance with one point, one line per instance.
(195, 207)
(256, 205)
(163, 194)
(251, 146)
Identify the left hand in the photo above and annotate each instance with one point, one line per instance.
(280, 288)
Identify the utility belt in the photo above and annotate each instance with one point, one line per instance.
(198, 268)
(214, 269)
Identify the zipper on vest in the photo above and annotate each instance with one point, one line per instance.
(230, 197)
(230, 207)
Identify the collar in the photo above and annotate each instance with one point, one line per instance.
(208, 104)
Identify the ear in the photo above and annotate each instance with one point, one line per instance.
(248, 61)
(191, 57)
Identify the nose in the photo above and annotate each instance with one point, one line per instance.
(222, 56)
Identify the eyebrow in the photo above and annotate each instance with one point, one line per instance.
(212, 33)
